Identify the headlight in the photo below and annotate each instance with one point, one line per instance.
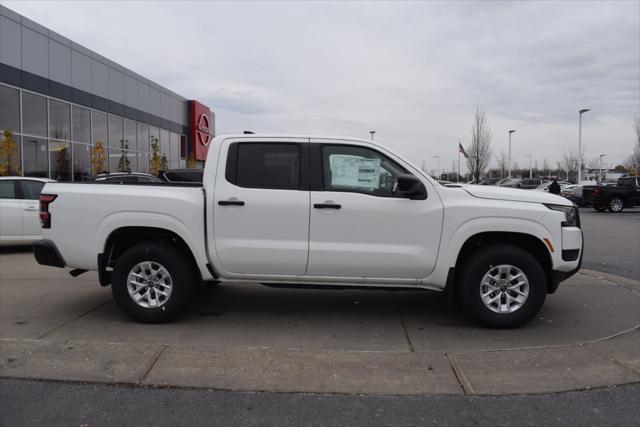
(572, 218)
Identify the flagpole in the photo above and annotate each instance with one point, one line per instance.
(458, 160)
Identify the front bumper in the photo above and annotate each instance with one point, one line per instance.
(558, 276)
(46, 253)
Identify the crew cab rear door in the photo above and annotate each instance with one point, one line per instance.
(261, 206)
(360, 226)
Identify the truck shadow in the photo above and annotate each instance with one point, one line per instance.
(15, 249)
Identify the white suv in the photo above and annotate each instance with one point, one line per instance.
(19, 220)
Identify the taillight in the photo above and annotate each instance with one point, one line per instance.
(45, 216)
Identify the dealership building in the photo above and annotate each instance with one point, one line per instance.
(67, 112)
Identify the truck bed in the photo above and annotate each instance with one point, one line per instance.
(83, 214)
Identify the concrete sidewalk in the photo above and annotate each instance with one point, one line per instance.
(247, 337)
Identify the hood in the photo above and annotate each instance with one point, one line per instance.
(515, 194)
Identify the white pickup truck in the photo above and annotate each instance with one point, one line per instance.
(313, 211)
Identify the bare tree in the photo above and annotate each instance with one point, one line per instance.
(593, 163)
(479, 153)
(633, 161)
(569, 163)
(503, 162)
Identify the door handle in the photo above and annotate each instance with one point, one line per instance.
(327, 206)
(231, 203)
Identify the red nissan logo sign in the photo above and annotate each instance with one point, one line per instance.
(202, 129)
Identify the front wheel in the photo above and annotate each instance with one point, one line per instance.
(502, 286)
(616, 204)
(153, 282)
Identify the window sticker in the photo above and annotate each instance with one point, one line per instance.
(354, 171)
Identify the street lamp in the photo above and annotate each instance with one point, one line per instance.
(530, 170)
(510, 132)
(372, 132)
(600, 166)
(437, 165)
(580, 113)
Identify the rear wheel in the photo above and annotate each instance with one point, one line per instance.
(502, 286)
(153, 282)
(616, 204)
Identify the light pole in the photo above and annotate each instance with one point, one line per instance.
(530, 170)
(580, 113)
(600, 166)
(510, 132)
(372, 132)
(437, 165)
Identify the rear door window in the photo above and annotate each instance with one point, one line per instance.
(264, 165)
(7, 189)
(31, 189)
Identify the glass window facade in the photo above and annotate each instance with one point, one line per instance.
(60, 160)
(81, 120)
(164, 148)
(81, 154)
(35, 158)
(174, 150)
(34, 114)
(9, 109)
(143, 138)
(59, 120)
(116, 139)
(130, 135)
(99, 128)
(67, 142)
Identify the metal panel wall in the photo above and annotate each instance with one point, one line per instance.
(59, 62)
(10, 42)
(35, 52)
(74, 72)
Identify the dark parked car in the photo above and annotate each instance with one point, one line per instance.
(524, 183)
(490, 181)
(626, 194)
(126, 177)
(574, 193)
(181, 175)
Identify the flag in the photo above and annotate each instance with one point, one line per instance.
(461, 149)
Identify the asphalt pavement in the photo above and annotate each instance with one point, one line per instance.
(612, 241)
(33, 403)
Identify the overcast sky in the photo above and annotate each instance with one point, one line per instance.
(414, 72)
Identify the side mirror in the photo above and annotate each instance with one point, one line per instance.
(411, 187)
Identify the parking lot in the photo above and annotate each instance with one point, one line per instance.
(612, 242)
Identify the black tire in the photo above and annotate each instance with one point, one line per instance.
(615, 204)
(182, 276)
(600, 208)
(480, 263)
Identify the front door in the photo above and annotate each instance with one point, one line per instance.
(360, 227)
(261, 207)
